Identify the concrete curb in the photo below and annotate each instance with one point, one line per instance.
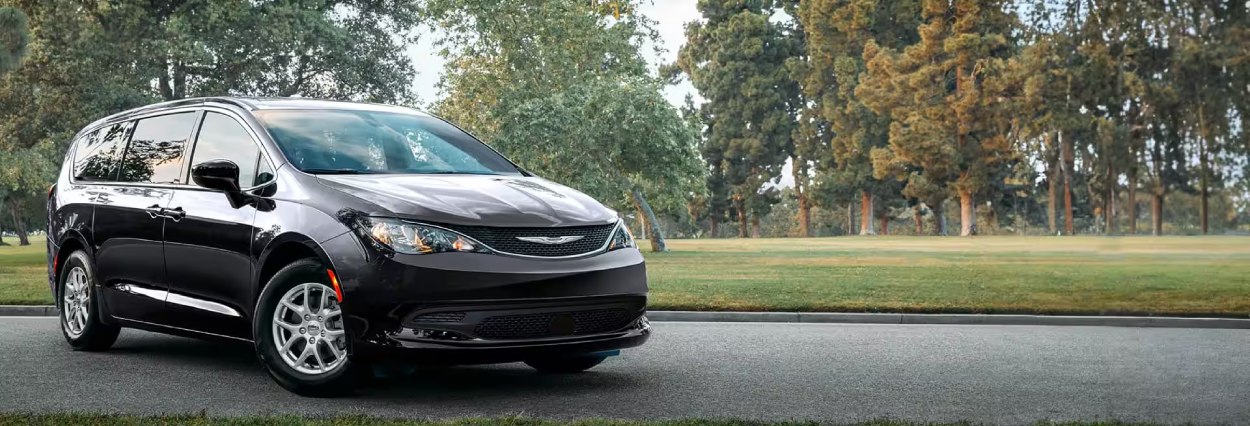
(863, 318)
(973, 319)
(28, 311)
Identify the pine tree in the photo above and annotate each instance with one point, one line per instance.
(946, 99)
(736, 59)
(836, 32)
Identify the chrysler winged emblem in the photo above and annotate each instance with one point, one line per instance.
(551, 240)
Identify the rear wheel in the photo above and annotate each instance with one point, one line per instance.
(300, 334)
(79, 306)
(572, 364)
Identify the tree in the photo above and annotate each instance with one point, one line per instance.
(344, 49)
(1202, 61)
(14, 37)
(836, 32)
(496, 62)
(624, 138)
(737, 61)
(945, 96)
(28, 172)
(90, 59)
(565, 86)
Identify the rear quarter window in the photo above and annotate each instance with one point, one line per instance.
(97, 155)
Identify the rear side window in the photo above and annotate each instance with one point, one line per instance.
(155, 153)
(223, 138)
(98, 154)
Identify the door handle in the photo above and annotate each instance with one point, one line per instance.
(155, 211)
(175, 213)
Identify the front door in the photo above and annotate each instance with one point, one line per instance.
(208, 239)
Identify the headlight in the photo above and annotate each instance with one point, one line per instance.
(621, 238)
(413, 238)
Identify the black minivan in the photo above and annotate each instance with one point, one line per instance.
(334, 236)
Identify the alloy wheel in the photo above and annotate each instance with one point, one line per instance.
(308, 329)
(76, 301)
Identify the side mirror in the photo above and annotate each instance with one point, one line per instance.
(222, 175)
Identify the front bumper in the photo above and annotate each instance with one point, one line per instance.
(466, 308)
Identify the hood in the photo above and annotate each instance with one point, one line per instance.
(510, 201)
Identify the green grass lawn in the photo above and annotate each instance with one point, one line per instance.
(24, 273)
(1047, 275)
(116, 420)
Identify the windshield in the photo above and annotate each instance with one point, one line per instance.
(359, 142)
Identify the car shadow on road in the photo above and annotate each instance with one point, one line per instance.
(420, 382)
(495, 381)
(225, 354)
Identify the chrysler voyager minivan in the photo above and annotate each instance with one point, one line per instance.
(334, 236)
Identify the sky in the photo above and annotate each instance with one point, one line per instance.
(670, 16)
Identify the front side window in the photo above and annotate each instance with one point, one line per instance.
(351, 142)
(223, 138)
(98, 154)
(156, 149)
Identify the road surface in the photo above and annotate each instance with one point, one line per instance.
(832, 372)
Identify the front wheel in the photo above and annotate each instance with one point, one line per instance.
(300, 335)
(565, 365)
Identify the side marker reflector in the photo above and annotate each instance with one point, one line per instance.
(334, 282)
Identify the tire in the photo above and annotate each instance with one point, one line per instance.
(78, 299)
(323, 372)
(565, 365)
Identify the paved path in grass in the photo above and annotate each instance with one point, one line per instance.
(839, 372)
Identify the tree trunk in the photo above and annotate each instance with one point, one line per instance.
(740, 205)
(654, 233)
(19, 224)
(1052, 173)
(755, 226)
(1065, 145)
(1202, 169)
(918, 218)
(805, 205)
(642, 219)
(1109, 211)
(885, 225)
(1202, 182)
(865, 213)
(712, 233)
(1132, 201)
(1051, 199)
(850, 218)
(967, 216)
(1156, 214)
(939, 217)
(805, 215)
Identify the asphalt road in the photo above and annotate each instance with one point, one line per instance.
(834, 372)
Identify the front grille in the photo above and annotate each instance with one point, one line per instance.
(505, 239)
(548, 324)
(439, 317)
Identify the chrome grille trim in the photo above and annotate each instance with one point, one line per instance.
(601, 249)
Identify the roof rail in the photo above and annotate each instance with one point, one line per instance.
(170, 104)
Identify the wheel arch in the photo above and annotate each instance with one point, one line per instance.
(69, 242)
(282, 251)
